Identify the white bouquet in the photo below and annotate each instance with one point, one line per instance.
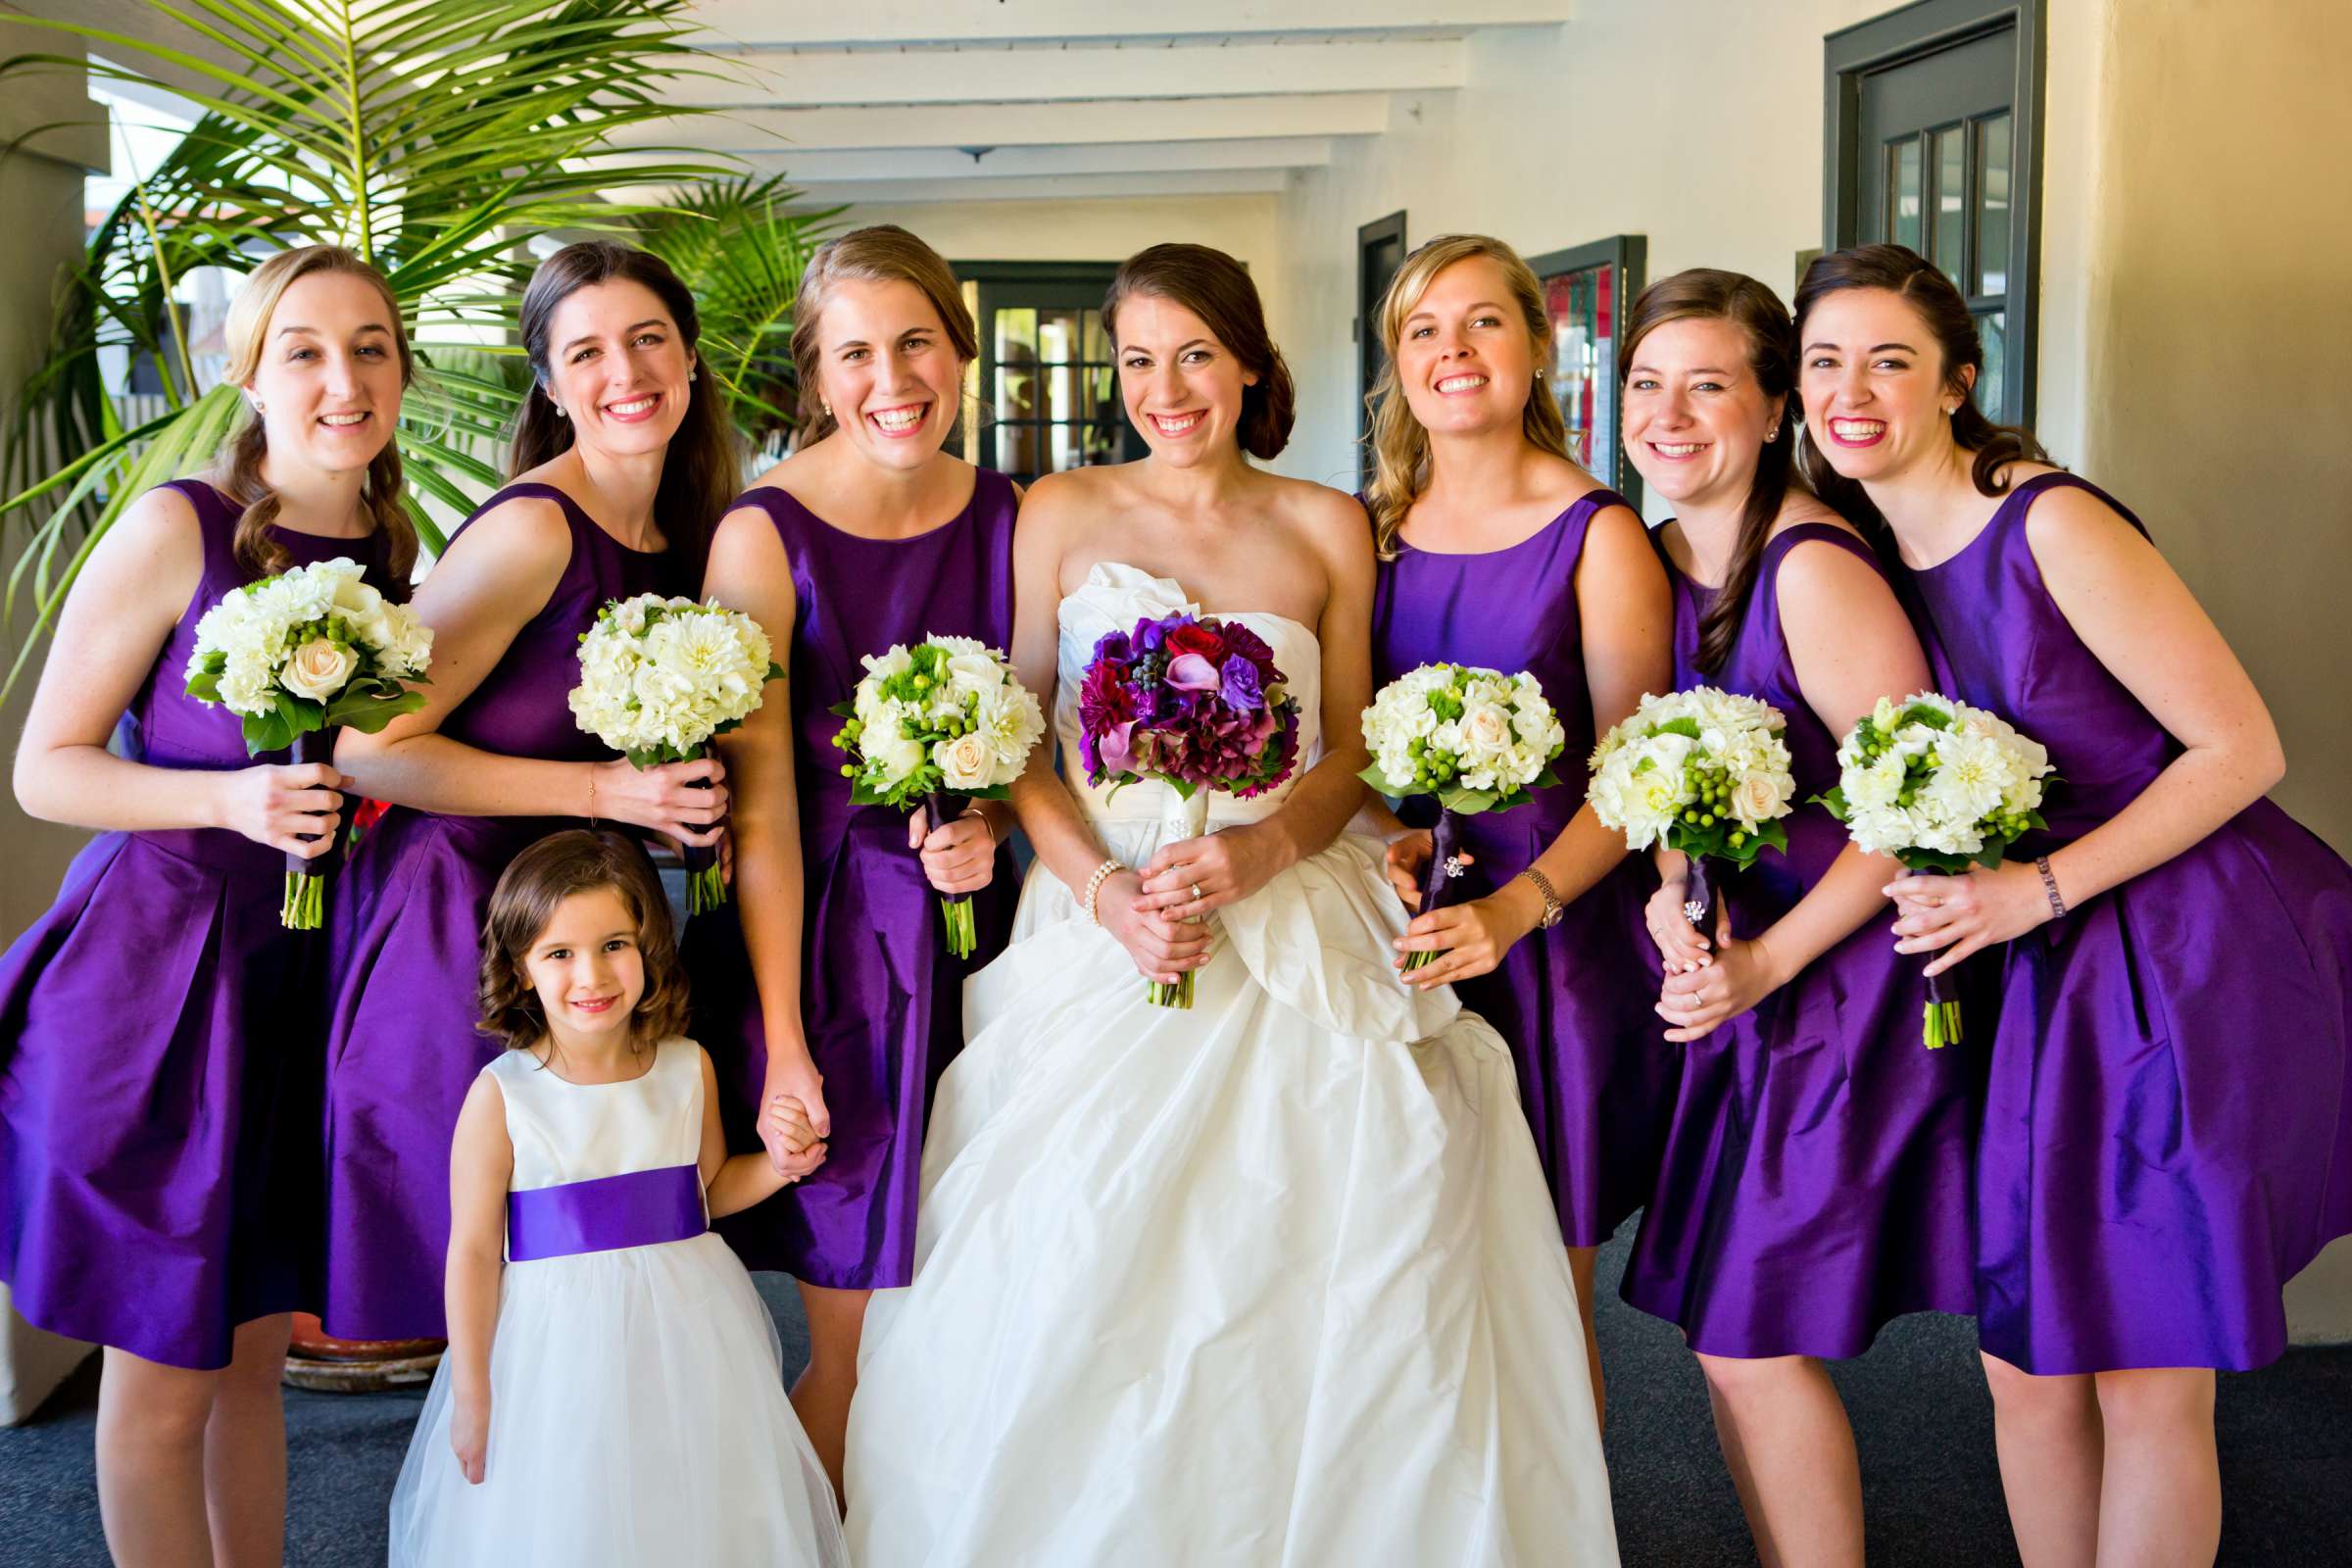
(1940, 786)
(299, 656)
(1704, 772)
(928, 724)
(1476, 739)
(659, 678)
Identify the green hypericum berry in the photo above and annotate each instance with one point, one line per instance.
(1706, 818)
(847, 771)
(1739, 837)
(1691, 815)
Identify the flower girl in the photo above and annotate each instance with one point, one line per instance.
(613, 1390)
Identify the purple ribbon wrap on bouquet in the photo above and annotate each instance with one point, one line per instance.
(1698, 896)
(955, 908)
(705, 889)
(1939, 1020)
(304, 906)
(1438, 877)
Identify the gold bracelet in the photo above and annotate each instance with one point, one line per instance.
(592, 795)
(1094, 886)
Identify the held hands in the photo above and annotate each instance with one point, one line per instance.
(1161, 946)
(1471, 938)
(469, 1434)
(284, 804)
(1966, 915)
(958, 857)
(1727, 983)
(1678, 942)
(1198, 876)
(668, 799)
(792, 1120)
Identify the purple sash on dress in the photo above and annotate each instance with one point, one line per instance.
(640, 1209)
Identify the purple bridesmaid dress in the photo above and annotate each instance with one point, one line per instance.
(881, 997)
(1574, 1002)
(2168, 1132)
(1816, 1180)
(405, 955)
(159, 1034)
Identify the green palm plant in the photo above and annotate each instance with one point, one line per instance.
(434, 137)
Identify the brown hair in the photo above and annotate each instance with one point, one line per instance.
(1903, 271)
(533, 884)
(258, 551)
(1705, 293)
(700, 471)
(1217, 288)
(882, 253)
(1399, 443)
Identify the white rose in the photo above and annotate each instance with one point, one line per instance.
(1757, 798)
(1486, 728)
(964, 761)
(318, 668)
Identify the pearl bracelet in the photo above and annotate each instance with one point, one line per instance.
(1094, 886)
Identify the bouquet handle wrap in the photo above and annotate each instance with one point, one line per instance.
(1180, 817)
(705, 889)
(1698, 896)
(1437, 878)
(304, 906)
(1939, 1018)
(955, 908)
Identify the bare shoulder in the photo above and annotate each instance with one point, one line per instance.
(2068, 520)
(523, 537)
(1057, 501)
(152, 553)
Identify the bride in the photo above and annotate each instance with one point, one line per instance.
(1274, 1280)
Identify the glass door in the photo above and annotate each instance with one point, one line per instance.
(1044, 385)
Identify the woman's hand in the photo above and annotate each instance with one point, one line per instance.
(1678, 942)
(469, 1434)
(793, 1077)
(1197, 876)
(670, 799)
(1161, 946)
(1409, 863)
(1470, 938)
(1739, 976)
(1967, 913)
(292, 807)
(958, 857)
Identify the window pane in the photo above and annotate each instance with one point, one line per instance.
(1902, 194)
(1016, 330)
(1098, 342)
(1017, 448)
(1057, 337)
(1993, 327)
(1101, 399)
(1992, 205)
(1017, 390)
(1951, 204)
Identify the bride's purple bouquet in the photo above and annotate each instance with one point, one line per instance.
(1196, 703)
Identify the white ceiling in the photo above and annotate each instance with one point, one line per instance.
(962, 100)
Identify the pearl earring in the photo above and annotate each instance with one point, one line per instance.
(257, 406)
(1771, 435)
(559, 407)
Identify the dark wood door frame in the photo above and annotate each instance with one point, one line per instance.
(1367, 327)
(1899, 39)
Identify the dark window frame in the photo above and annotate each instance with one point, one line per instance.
(1628, 257)
(1899, 38)
(991, 282)
(1367, 329)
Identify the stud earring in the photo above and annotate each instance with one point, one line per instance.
(257, 406)
(694, 375)
(1771, 435)
(560, 411)
(828, 408)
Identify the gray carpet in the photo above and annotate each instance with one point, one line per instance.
(1920, 1410)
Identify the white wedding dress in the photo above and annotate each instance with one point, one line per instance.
(1274, 1281)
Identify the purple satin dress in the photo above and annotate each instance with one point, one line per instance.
(2168, 1132)
(405, 955)
(1816, 1180)
(1573, 1002)
(881, 997)
(159, 1042)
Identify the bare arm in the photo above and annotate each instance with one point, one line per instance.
(731, 1183)
(2140, 621)
(482, 1165)
(1851, 645)
(750, 572)
(117, 621)
(478, 598)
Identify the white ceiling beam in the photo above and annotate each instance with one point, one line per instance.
(1055, 187)
(887, 21)
(852, 130)
(1012, 163)
(1033, 74)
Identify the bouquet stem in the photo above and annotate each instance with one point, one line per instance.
(1437, 879)
(1180, 817)
(303, 908)
(1939, 1020)
(705, 889)
(955, 908)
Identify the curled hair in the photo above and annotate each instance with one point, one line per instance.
(882, 253)
(1399, 442)
(257, 551)
(700, 471)
(1705, 293)
(1217, 288)
(1938, 304)
(533, 884)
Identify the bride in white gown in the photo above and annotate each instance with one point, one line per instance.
(1275, 1280)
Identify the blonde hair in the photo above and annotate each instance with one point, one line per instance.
(1399, 443)
(883, 253)
(245, 332)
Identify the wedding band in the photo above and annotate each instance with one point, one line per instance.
(1196, 893)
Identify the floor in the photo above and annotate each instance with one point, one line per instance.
(1920, 1410)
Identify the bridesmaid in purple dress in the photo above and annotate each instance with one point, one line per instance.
(159, 1028)
(1499, 550)
(1816, 1178)
(622, 463)
(868, 535)
(2166, 1137)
